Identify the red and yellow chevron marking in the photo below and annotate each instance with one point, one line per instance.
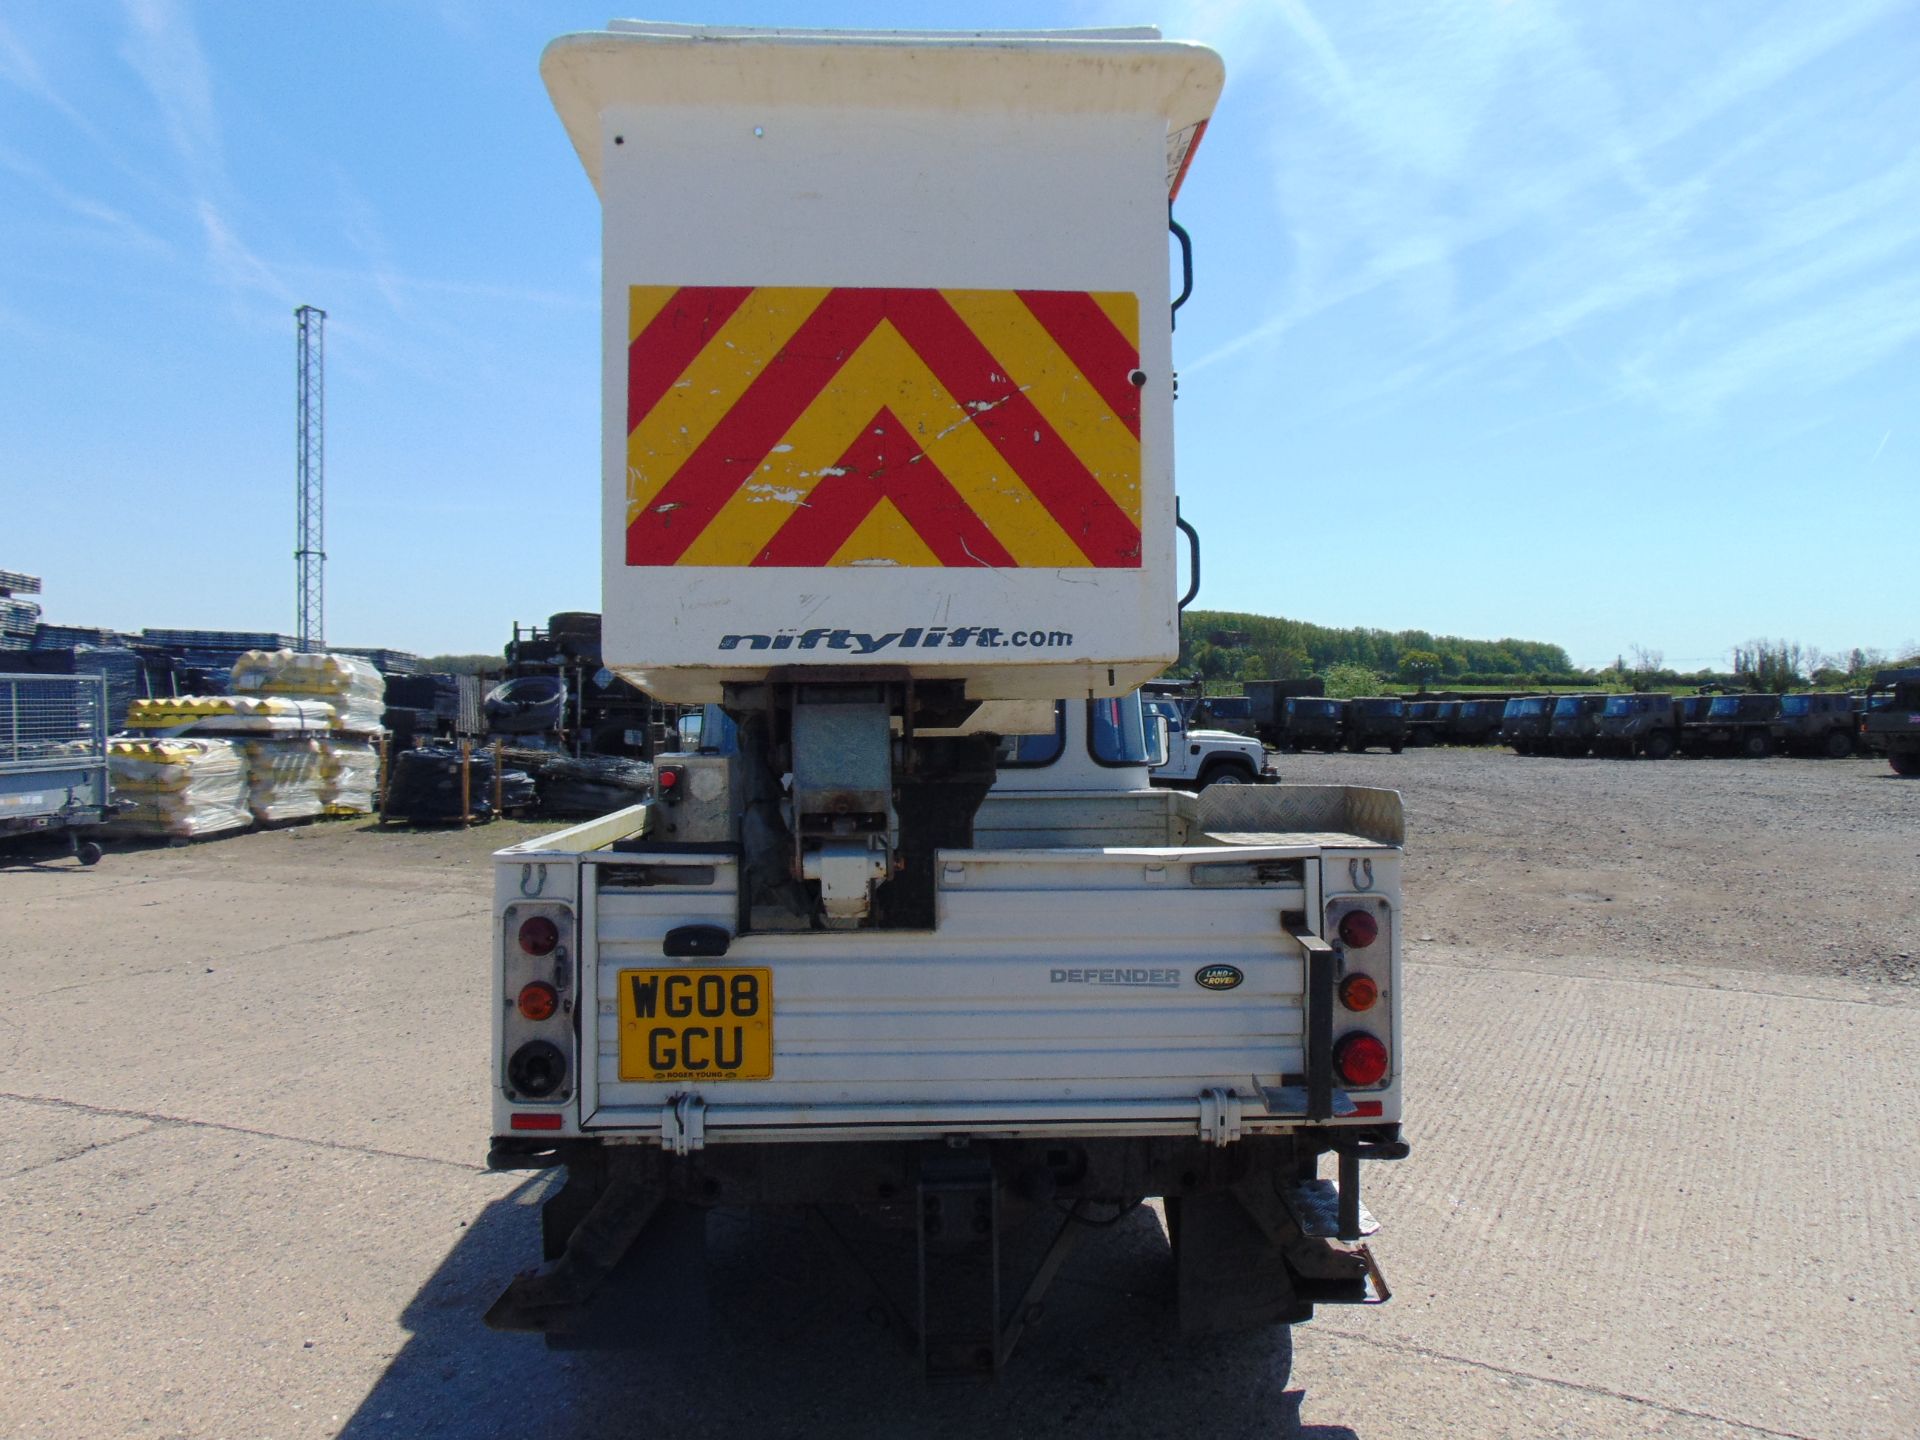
(807, 427)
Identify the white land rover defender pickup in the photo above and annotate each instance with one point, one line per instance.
(1198, 757)
(888, 469)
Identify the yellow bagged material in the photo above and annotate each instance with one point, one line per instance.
(349, 770)
(283, 779)
(231, 715)
(356, 690)
(178, 788)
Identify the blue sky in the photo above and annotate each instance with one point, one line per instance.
(1589, 323)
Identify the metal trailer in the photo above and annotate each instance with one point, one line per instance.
(53, 757)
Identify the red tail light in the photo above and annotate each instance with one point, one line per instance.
(1358, 929)
(538, 1000)
(528, 1120)
(1360, 1059)
(667, 781)
(539, 935)
(1359, 992)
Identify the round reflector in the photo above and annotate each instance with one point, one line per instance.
(1360, 1058)
(669, 778)
(1358, 929)
(1357, 992)
(538, 1000)
(539, 935)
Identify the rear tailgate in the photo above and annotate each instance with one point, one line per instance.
(1062, 989)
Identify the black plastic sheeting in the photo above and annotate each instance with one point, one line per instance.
(426, 786)
(409, 726)
(436, 694)
(583, 787)
(527, 705)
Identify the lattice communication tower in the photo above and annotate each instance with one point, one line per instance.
(310, 499)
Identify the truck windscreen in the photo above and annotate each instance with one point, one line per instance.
(1116, 733)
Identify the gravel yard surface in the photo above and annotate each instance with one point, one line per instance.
(1796, 867)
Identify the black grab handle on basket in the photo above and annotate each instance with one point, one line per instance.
(1186, 267)
(1193, 556)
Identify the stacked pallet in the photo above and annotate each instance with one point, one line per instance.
(208, 655)
(283, 779)
(351, 685)
(438, 784)
(178, 789)
(19, 617)
(67, 637)
(231, 715)
(349, 776)
(390, 662)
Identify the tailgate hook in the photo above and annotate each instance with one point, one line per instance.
(1219, 1116)
(683, 1125)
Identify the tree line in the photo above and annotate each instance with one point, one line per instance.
(1223, 647)
(1233, 645)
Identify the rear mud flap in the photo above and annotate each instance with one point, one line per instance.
(608, 1257)
(1241, 1260)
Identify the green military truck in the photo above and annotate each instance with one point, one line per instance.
(1524, 722)
(1571, 730)
(1687, 709)
(1426, 722)
(1232, 713)
(1376, 720)
(1819, 723)
(1893, 718)
(1640, 724)
(1309, 722)
(1475, 722)
(1267, 707)
(1733, 725)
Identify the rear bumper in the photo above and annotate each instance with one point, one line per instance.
(824, 1172)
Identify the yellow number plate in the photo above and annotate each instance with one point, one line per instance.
(696, 1024)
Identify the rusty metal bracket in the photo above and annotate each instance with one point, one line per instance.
(549, 1297)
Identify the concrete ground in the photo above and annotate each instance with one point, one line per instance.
(1662, 1183)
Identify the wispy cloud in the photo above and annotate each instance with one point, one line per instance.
(99, 218)
(22, 69)
(164, 50)
(1701, 367)
(1496, 177)
(367, 236)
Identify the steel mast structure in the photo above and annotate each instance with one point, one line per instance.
(310, 497)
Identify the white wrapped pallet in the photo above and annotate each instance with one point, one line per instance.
(232, 715)
(178, 788)
(283, 779)
(349, 774)
(355, 689)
